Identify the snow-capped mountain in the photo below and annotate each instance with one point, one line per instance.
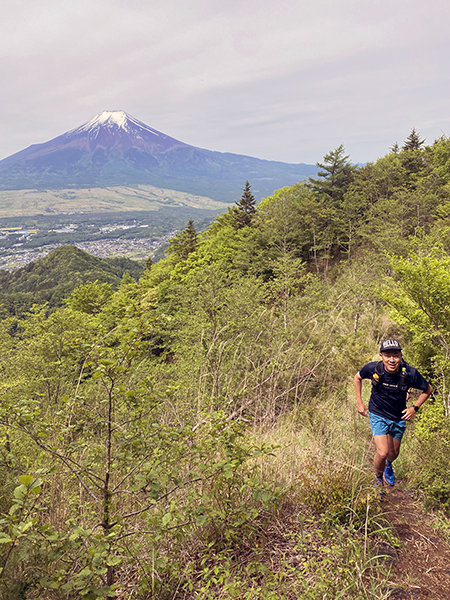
(114, 148)
(117, 129)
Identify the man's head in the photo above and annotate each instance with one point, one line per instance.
(391, 355)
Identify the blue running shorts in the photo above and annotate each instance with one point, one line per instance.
(383, 426)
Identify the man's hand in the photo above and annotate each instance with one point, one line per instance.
(408, 413)
(363, 410)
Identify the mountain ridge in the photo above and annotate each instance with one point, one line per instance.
(114, 148)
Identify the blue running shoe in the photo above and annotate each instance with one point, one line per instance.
(378, 487)
(389, 476)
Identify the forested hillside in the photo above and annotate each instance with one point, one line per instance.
(194, 433)
(52, 278)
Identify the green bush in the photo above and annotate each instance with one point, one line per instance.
(429, 468)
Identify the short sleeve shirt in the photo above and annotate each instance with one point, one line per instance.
(387, 398)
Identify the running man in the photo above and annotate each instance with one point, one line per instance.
(391, 379)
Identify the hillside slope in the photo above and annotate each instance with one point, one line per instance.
(53, 277)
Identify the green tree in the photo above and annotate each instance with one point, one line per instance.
(335, 176)
(183, 243)
(281, 221)
(329, 188)
(412, 156)
(91, 297)
(125, 469)
(421, 302)
(413, 141)
(243, 212)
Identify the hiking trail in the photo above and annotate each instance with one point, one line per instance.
(421, 565)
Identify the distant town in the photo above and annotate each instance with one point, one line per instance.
(20, 246)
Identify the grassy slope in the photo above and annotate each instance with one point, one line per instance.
(88, 200)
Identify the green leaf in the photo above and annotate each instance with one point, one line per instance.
(25, 526)
(26, 479)
(109, 590)
(5, 539)
(166, 518)
(111, 561)
(20, 491)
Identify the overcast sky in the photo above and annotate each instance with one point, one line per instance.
(287, 80)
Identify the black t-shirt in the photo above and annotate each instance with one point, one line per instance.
(387, 399)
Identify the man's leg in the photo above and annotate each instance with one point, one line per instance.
(386, 435)
(381, 453)
(394, 448)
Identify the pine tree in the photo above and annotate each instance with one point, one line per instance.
(413, 141)
(395, 148)
(335, 175)
(184, 243)
(191, 238)
(412, 157)
(244, 211)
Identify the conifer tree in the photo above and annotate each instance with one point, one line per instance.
(184, 243)
(244, 211)
(335, 175)
(413, 141)
(412, 157)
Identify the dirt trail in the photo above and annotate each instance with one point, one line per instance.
(421, 566)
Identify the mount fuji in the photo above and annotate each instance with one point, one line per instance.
(115, 149)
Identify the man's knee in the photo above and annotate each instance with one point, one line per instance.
(382, 453)
(394, 453)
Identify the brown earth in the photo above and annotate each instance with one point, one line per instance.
(421, 565)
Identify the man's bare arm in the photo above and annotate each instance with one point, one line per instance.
(409, 412)
(362, 408)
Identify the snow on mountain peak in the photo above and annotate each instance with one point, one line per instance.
(117, 119)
